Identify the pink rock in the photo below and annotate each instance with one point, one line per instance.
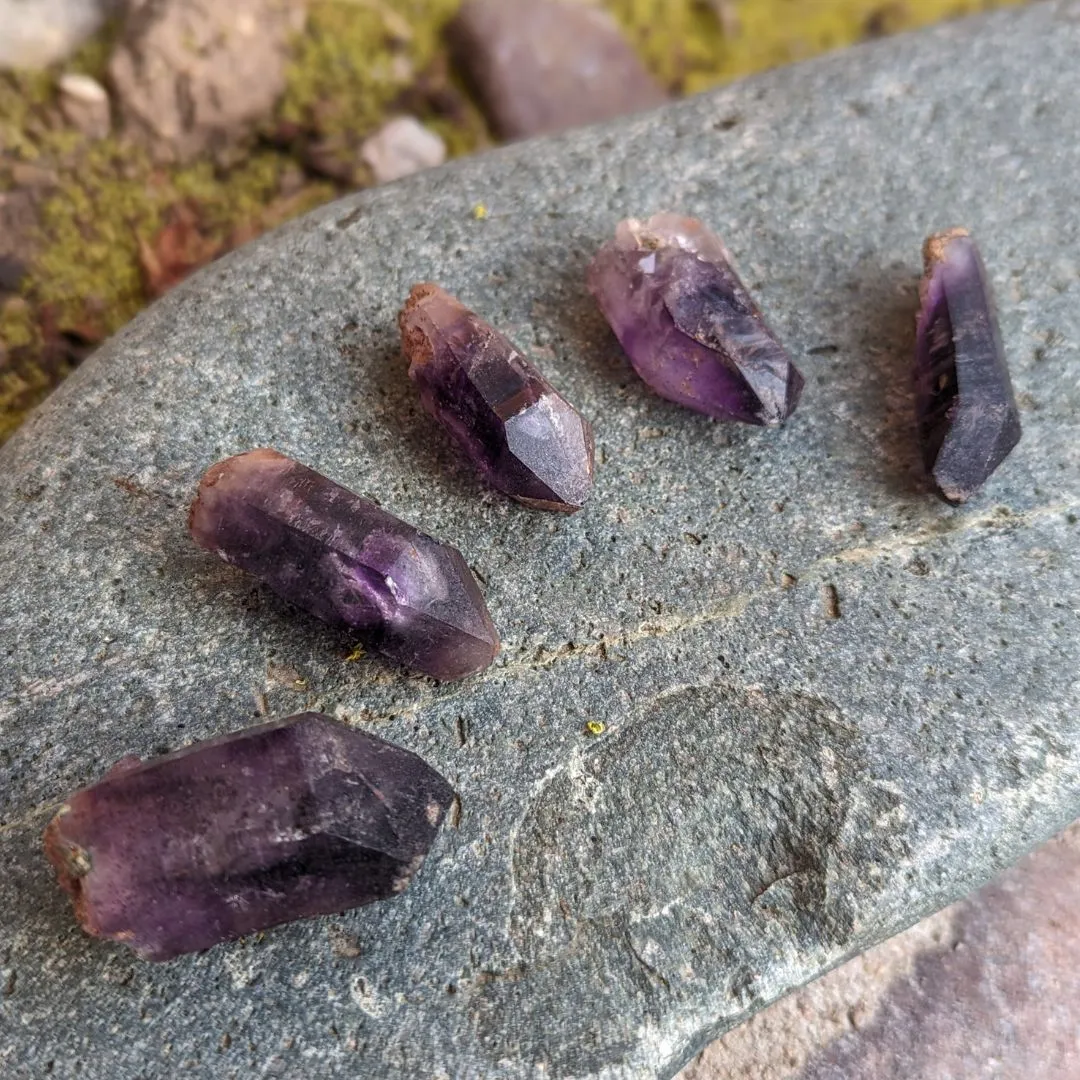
(540, 66)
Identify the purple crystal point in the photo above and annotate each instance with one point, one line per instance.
(523, 435)
(302, 817)
(671, 294)
(967, 414)
(343, 559)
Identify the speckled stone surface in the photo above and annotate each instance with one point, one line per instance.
(775, 787)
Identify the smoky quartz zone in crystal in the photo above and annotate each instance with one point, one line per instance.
(670, 291)
(304, 816)
(346, 560)
(967, 415)
(526, 439)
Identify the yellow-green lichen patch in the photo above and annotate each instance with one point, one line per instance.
(92, 226)
(694, 44)
(23, 383)
(24, 97)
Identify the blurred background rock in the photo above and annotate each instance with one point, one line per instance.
(140, 139)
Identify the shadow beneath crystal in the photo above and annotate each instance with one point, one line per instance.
(574, 324)
(878, 339)
(242, 607)
(573, 321)
(420, 446)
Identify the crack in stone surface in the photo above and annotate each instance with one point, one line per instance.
(737, 605)
(670, 625)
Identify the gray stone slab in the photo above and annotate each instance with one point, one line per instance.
(774, 789)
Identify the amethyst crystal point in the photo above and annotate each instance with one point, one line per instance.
(342, 558)
(668, 288)
(967, 414)
(302, 817)
(524, 436)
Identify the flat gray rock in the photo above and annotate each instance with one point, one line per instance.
(774, 789)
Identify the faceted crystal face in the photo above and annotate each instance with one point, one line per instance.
(302, 817)
(347, 561)
(967, 414)
(521, 433)
(691, 330)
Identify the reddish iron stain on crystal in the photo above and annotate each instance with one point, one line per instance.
(522, 434)
(301, 817)
(669, 290)
(345, 560)
(967, 414)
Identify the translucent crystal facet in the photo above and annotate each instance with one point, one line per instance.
(967, 414)
(669, 290)
(301, 817)
(519, 431)
(347, 561)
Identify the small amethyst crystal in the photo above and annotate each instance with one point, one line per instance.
(342, 558)
(301, 817)
(671, 294)
(967, 414)
(523, 435)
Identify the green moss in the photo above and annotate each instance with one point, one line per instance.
(228, 200)
(90, 229)
(115, 197)
(685, 43)
(18, 330)
(358, 58)
(23, 96)
(20, 391)
(92, 57)
(22, 382)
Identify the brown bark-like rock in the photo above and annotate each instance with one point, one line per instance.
(191, 76)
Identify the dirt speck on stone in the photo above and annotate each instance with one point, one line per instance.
(831, 600)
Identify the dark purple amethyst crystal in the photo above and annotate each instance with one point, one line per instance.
(525, 437)
(343, 559)
(967, 414)
(302, 817)
(669, 290)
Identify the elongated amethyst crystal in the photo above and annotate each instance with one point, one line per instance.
(342, 558)
(967, 414)
(669, 290)
(301, 817)
(524, 436)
